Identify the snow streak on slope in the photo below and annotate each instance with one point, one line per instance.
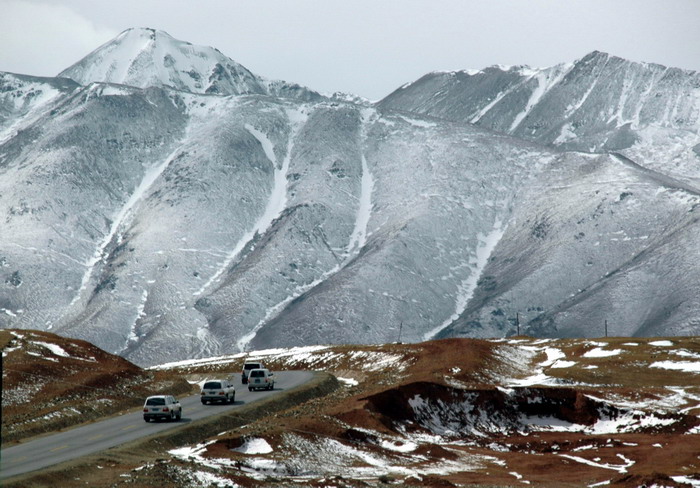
(364, 211)
(278, 198)
(492, 104)
(487, 244)
(121, 220)
(573, 108)
(242, 344)
(356, 242)
(546, 79)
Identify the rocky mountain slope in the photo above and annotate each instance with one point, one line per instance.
(161, 201)
(599, 103)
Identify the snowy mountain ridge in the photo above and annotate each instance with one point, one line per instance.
(169, 204)
(147, 57)
(598, 103)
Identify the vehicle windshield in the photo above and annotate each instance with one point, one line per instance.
(212, 385)
(248, 366)
(155, 401)
(257, 373)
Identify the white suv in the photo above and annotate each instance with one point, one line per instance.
(218, 391)
(161, 407)
(261, 379)
(248, 366)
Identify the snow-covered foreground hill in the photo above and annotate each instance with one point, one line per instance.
(166, 203)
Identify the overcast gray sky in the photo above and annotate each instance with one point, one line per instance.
(365, 47)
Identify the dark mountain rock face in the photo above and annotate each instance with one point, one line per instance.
(163, 202)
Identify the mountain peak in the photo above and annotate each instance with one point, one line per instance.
(144, 57)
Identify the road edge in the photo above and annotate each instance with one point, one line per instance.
(155, 447)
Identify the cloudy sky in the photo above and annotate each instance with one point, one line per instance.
(365, 47)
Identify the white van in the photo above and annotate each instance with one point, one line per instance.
(261, 379)
(248, 366)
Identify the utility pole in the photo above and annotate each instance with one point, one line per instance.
(606, 327)
(517, 321)
(400, 329)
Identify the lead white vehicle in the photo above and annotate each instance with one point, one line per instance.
(218, 391)
(261, 379)
(161, 407)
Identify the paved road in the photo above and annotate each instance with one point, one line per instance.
(89, 439)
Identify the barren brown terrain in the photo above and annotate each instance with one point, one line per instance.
(621, 412)
(50, 383)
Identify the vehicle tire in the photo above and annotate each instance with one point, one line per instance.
(179, 415)
(250, 388)
(233, 398)
(147, 419)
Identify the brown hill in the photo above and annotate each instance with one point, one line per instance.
(50, 383)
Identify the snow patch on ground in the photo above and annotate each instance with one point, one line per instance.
(207, 479)
(254, 446)
(563, 364)
(620, 468)
(522, 356)
(348, 381)
(693, 482)
(328, 457)
(602, 353)
(418, 123)
(685, 366)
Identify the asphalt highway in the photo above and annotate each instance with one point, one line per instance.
(89, 439)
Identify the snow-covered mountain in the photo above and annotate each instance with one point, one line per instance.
(167, 203)
(146, 58)
(648, 117)
(598, 103)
